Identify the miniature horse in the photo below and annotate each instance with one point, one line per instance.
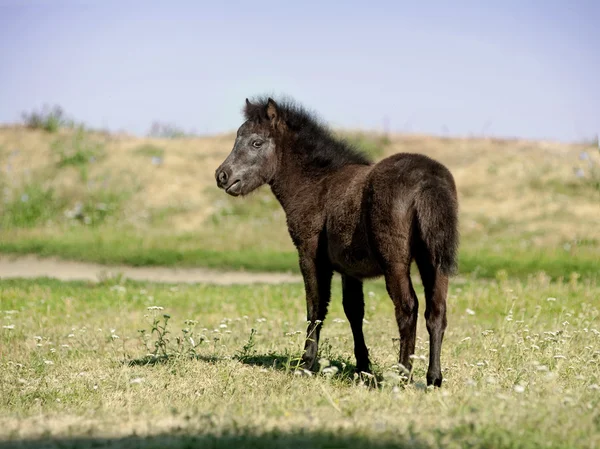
(347, 214)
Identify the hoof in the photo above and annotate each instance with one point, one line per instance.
(307, 364)
(436, 381)
(362, 369)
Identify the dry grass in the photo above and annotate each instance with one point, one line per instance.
(521, 365)
(523, 184)
(176, 182)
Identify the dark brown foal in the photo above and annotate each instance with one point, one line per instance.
(349, 215)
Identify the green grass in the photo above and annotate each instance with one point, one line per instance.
(33, 205)
(107, 246)
(36, 205)
(520, 359)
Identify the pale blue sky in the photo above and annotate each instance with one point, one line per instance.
(505, 68)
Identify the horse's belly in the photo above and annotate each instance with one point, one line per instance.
(353, 257)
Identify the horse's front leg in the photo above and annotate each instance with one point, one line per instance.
(317, 274)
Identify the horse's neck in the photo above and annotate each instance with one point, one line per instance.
(293, 187)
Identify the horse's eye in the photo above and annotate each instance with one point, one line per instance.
(257, 143)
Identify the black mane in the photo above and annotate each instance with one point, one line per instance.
(313, 139)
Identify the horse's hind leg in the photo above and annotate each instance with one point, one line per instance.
(354, 307)
(390, 238)
(436, 290)
(406, 305)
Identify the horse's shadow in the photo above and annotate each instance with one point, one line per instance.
(336, 367)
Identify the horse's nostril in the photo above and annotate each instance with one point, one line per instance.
(222, 177)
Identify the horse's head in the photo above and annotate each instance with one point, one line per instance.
(253, 159)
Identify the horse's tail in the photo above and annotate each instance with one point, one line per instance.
(437, 216)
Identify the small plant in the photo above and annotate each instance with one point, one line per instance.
(77, 151)
(161, 348)
(248, 349)
(50, 119)
(166, 131)
(159, 328)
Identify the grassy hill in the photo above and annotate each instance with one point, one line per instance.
(524, 206)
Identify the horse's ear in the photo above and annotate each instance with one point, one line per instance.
(273, 114)
(250, 110)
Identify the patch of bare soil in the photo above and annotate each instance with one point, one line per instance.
(34, 267)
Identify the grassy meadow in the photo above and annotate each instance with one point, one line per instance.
(524, 206)
(147, 365)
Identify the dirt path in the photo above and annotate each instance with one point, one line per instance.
(33, 267)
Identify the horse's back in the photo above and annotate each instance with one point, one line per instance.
(412, 202)
(406, 173)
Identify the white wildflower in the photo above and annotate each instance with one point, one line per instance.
(330, 370)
